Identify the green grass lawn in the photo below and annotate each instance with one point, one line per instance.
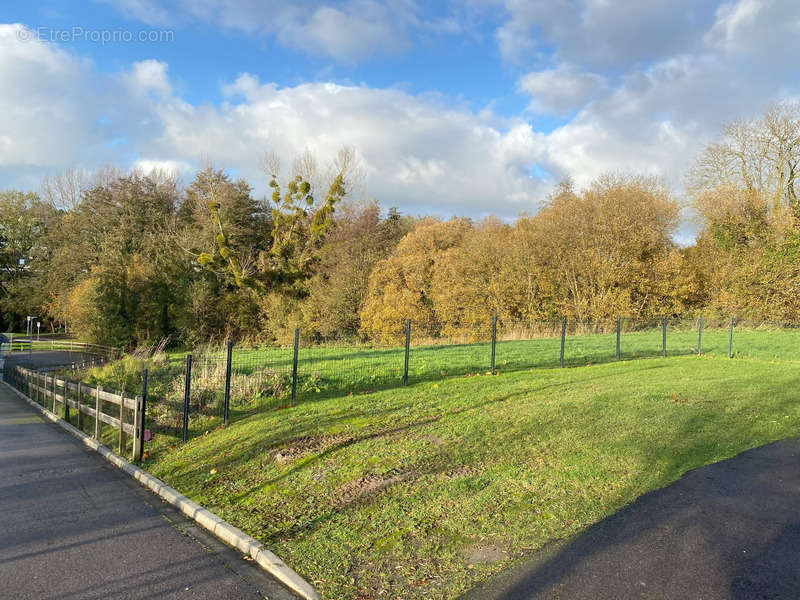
(327, 370)
(424, 491)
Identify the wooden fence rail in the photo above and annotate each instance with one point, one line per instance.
(24, 344)
(51, 391)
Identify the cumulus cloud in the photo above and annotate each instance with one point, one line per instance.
(652, 110)
(600, 33)
(349, 32)
(758, 31)
(561, 90)
(148, 77)
(418, 153)
(669, 74)
(47, 101)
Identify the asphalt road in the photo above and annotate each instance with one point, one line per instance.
(74, 527)
(45, 359)
(730, 530)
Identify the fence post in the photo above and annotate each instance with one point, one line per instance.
(618, 327)
(137, 437)
(54, 395)
(80, 397)
(121, 420)
(563, 335)
(408, 346)
(294, 365)
(494, 342)
(730, 340)
(66, 400)
(97, 422)
(143, 415)
(187, 391)
(227, 402)
(664, 336)
(700, 337)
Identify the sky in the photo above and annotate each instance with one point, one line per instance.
(468, 107)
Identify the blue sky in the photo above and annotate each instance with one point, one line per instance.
(468, 106)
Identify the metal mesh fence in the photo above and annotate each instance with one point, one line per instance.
(233, 382)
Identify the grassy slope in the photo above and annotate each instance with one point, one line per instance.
(356, 368)
(401, 491)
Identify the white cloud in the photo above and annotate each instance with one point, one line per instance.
(560, 91)
(418, 153)
(600, 33)
(764, 34)
(349, 32)
(47, 102)
(148, 77)
(633, 107)
(178, 168)
(652, 82)
(656, 121)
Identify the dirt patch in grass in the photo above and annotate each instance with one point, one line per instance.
(433, 439)
(301, 446)
(483, 554)
(366, 487)
(461, 471)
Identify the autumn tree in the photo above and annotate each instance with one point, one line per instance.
(360, 237)
(744, 193)
(470, 282)
(608, 249)
(401, 286)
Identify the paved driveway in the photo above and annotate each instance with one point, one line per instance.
(74, 527)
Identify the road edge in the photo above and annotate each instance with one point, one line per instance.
(221, 529)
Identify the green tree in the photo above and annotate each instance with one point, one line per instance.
(114, 246)
(24, 254)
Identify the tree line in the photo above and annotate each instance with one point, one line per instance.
(128, 258)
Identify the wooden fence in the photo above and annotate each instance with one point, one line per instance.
(57, 394)
(25, 344)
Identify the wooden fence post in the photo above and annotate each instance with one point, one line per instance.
(66, 400)
(97, 413)
(121, 419)
(80, 392)
(142, 416)
(137, 428)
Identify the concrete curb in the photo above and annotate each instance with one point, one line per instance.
(226, 532)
